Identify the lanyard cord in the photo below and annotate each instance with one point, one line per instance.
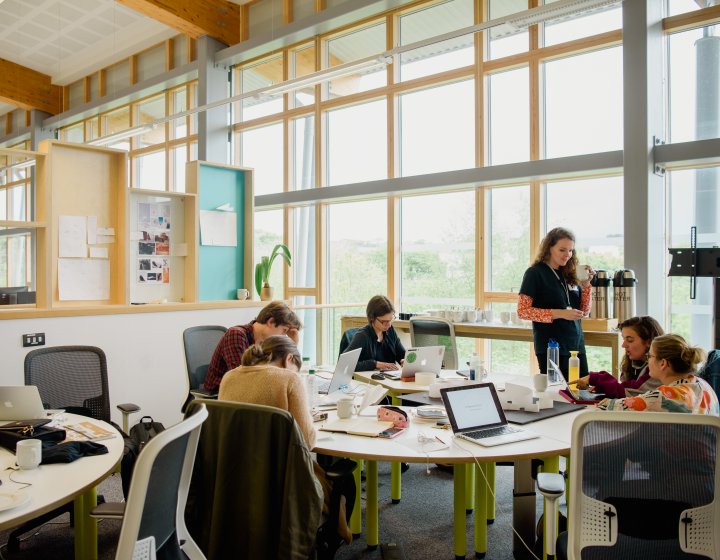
(563, 284)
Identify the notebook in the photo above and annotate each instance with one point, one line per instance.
(20, 403)
(475, 415)
(342, 378)
(422, 358)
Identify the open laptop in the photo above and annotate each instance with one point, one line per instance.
(475, 415)
(342, 375)
(421, 358)
(20, 403)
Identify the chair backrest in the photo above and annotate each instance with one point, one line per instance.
(644, 485)
(346, 339)
(158, 491)
(200, 343)
(710, 371)
(427, 331)
(71, 377)
(254, 493)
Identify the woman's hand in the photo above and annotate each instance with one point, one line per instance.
(582, 382)
(386, 365)
(568, 314)
(591, 275)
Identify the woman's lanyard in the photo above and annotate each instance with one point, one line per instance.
(564, 285)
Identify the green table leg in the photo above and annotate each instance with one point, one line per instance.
(469, 487)
(490, 502)
(356, 517)
(481, 500)
(395, 468)
(371, 505)
(550, 465)
(85, 526)
(459, 536)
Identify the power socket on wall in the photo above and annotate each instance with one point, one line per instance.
(34, 339)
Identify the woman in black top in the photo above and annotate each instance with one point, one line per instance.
(553, 298)
(379, 343)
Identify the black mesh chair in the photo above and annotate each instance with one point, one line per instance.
(153, 520)
(642, 485)
(431, 331)
(346, 339)
(200, 343)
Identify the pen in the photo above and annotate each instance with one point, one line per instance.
(441, 441)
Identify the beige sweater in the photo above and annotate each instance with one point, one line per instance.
(271, 386)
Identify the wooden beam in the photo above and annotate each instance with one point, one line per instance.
(219, 19)
(27, 88)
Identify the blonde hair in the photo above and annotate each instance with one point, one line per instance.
(548, 242)
(682, 357)
(273, 350)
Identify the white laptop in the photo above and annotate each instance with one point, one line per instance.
(20, 403)
(342, 379)
(475, 415)
(422, 358)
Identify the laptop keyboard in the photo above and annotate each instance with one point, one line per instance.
(322, 386)
(491, 432)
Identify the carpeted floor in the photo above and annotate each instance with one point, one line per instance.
(422, 523)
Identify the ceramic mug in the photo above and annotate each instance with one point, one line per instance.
(489, 315)
(243, 294)
(345, 407)
(505, 317)
(424, 378)
(540, 382)
(28, 453)
(583, 272)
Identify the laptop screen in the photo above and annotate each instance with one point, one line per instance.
(473, 407)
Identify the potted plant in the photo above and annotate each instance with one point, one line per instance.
(262, 270)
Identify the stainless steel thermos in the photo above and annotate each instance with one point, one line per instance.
(624, 283)
(600, 296)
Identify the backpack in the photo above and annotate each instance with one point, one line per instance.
(140, 434)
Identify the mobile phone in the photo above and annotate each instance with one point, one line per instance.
(391, 432)
(320, 417)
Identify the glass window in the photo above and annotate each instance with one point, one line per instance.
(357, 251)
(430, 22)
(178, 127)
(504, 39)
(676, 7)
(357, 143)
(115, 121)
(607, 18)
(17, 208)
(508, 211)
(147, 112)
(304, 64)
(258, 76)
(304, 149)
(179, 156)
(150, 171)
(437, 129)
(593, 210)
(74, 133)
(572, 86)
(356, 45)
(268, 226)
(509, 115)
(303, 268)
(262, 149)
(438, 251)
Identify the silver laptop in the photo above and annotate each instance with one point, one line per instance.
(21, 403)
(475, 415)
(422, 358)
(343, 375)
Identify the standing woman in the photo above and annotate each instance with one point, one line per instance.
(552, 297)
(380, 347)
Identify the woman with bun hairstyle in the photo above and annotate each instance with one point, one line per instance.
(672, 361)
(637, 335)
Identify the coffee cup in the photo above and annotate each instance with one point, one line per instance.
(514, 319)
(28, 453)
(243, 294)
(583, 272)
(424, 378)
(489, 315)
(540, 382)
(505, 317)
(345, 407)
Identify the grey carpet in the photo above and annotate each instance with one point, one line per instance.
(422, 523)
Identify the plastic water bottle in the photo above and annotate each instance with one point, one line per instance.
(311, 387)
(305, 367)
(553, 357)
(574, 366)
(477, 368)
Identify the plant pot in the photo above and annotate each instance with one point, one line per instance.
(266, 293)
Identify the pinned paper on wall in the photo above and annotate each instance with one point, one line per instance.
(218, 228)
(72, 236)
(179, 249)
(92, 230)
(98, 253)
(83, 279)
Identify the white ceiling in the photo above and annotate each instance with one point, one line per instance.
(69, 39)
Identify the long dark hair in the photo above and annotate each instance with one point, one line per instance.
(549, 241)
(646, 328)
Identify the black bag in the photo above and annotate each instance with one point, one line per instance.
(140, 434)
(11, 433)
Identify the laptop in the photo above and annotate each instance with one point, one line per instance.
(475, 415)
(422, 358)
(20, 403)
(342, 375)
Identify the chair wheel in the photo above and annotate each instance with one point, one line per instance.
(404, 467)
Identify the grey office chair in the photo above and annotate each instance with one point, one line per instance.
(642, 485)
(200, 343)
(432, 331)
(158, 494)
(346, 339)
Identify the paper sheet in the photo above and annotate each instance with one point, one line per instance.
(98, 253)
(92, 230)
(218, 228)
(83, 279)
(72, 236)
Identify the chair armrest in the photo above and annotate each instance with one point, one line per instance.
(340, 469)
(128, 408)
(550, 485)
(203, 394)
(109, 510)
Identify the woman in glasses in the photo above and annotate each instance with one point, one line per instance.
(380, 347)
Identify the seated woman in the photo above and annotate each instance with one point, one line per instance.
(672, 362)
(637, 334)
(268, 375)
(379, 343)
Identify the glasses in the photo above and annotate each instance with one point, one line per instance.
(385, 323)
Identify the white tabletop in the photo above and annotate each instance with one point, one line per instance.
(54, 485)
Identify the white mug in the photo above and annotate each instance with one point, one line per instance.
(505, 317)
(345, 407)
(540, 382)
(243, 294)
(583, 272)
(489, 315)
(424, 378)
(28, 453)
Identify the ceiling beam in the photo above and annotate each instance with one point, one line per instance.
(219, 19)
(27, 88)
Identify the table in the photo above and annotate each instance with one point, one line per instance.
(55, 485)
(553, 442)
(497, 331)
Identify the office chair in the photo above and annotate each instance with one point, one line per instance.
(254, 492)
(710, 371)
(74, 378)
(199, 343)
(432, 331)
(158, 493)
(346, 339)
(642, 485)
